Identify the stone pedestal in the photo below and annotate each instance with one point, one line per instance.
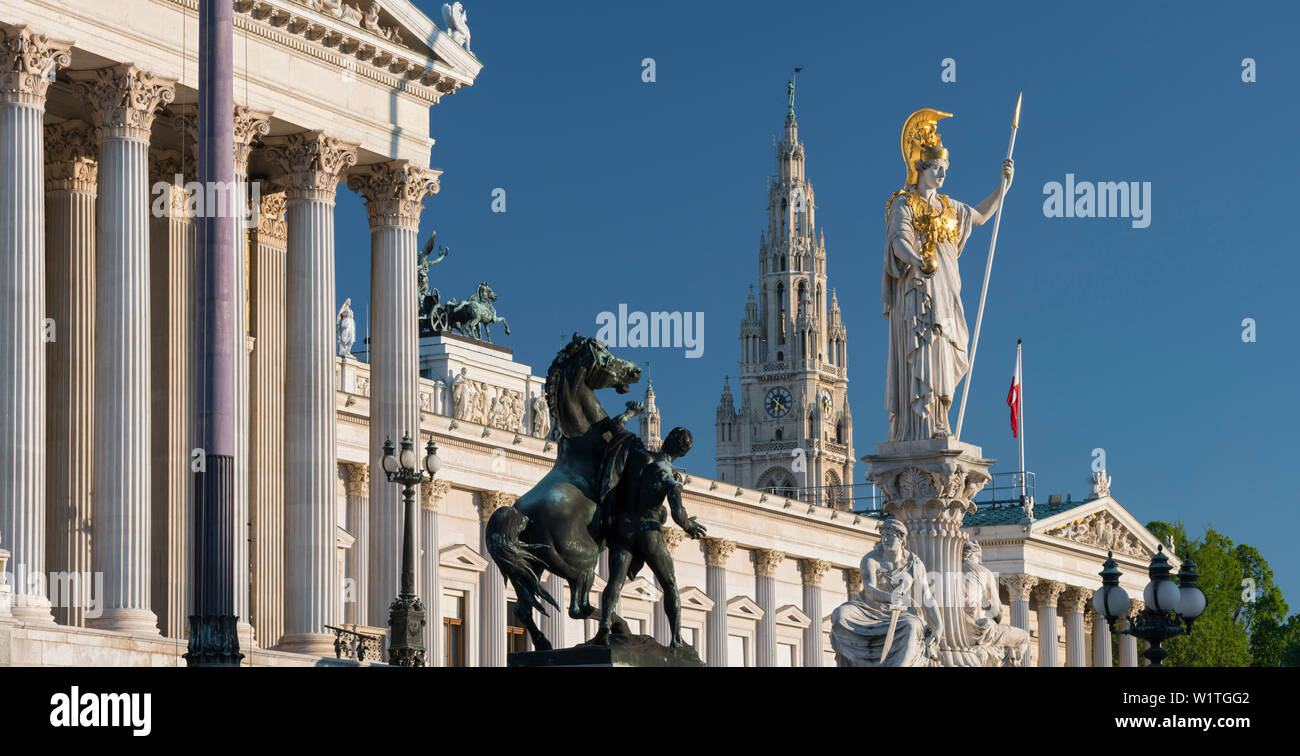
(929, 487)
(623, 651)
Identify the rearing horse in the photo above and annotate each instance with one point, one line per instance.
(555, 525)
(475, 313)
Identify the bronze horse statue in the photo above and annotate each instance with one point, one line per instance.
(557, 525)
(475, 315)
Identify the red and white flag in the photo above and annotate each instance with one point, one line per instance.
(1013, 396)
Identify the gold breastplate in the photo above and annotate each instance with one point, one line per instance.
(931, 226)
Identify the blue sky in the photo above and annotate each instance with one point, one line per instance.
(653, 195)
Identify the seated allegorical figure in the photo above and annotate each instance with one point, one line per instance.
(893, 621)
(999, 645)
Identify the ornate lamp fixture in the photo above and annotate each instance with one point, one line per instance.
(406, 613)
(1171, 608)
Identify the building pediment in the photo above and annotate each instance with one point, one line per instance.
(1101, 523)
(792, 616)
(694, 598)
(641, 589)
(396, 39)
(744, 607)
(459, 556)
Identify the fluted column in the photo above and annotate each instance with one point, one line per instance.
(431, 497)
(1075, 600)
(71, 178)
(553, 623)
(663, 629)
(357, 479)
(313, 163)
(765, 563)
(28, 62)
(394, 194)
(1020, 588)
(1047, 594)
(266, 401)
(1128, 650)
(812, 571)
(716, 552)
(171, 285)
(123, 100)
(492, 589)
(1101, 656)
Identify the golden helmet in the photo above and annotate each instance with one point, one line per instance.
(920, 141)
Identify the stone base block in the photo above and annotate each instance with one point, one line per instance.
(623, 651)
(140, 621)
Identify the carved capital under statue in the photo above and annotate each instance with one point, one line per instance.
(673, 538)
(491, 501)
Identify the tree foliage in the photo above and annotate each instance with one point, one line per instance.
(1245, 621)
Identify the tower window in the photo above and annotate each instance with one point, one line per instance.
(778, 434)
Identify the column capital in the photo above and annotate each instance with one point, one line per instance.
(357, 476)
(71, 160)
(716, 551)
(1088, 617)
(250, 125)
(123, 99)
(491, 501)
(853, 581)
(313, 163)
(1019, 586)
(28, 63)
(432, 493)
(1135, 607)
(394, 191)
(813, 570)
(270, 218)
(164, 166)
(766, 561)
(673, 538)
(1049, 591)
(1076, 599)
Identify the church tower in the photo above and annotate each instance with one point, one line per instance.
(793, 433)
(648, 421)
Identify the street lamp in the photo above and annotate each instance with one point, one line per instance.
(406, 613)
(1171, 608)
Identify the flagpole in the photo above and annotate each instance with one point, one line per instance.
(988, 268)
(1020, 414)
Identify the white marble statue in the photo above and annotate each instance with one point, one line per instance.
(463, 395)
(371, 20)
(541, 416)
(921, 285)
(345, 329)
(342, 11)
(893, 621)
(457, 23)
(998, 645)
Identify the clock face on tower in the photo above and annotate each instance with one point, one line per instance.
(778, 402)
(826, 403)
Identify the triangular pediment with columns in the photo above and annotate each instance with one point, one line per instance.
(1101, 523)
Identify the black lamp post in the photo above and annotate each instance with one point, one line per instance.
(406, 613)
(1171, 608)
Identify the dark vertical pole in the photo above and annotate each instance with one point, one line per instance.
(213, 640)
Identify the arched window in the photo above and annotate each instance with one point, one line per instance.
(780, 356)
(784, 213)
(778, 434)
(839, 432)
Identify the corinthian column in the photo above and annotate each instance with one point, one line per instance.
(1128, 650)
(765, 564)
(492, 589)
(1101, 656)
(171, 285)
(1048, 593)
(313, 163)
(266, 398)
(1020, 588)
(812, 572)
(394, 194)
(716, 552)
(663, 630)
(28, 62)
(1076, 600)
(123, 100)
(431, 497)
(70, 186)
(357, 479)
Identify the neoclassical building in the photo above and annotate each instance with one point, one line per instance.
(96, 433)
(792, 432)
